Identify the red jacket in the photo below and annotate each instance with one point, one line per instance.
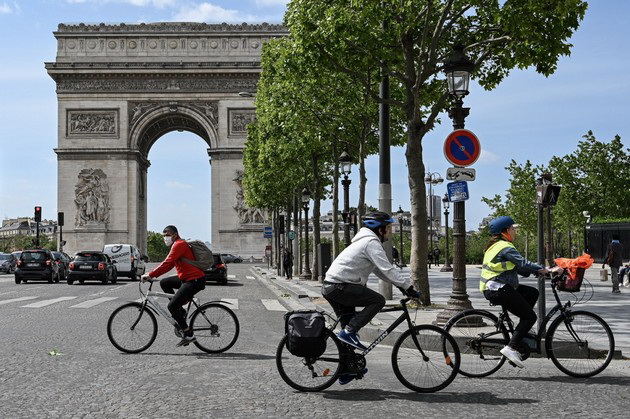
(185, 271)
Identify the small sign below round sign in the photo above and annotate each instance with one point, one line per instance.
(462, 148)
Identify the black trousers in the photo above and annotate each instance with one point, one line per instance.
(520, 302)
(185, 293)
(344, 298)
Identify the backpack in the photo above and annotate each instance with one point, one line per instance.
(203, 256)
(306, 333)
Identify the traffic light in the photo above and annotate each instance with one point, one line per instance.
(60, 219)
(38, 214)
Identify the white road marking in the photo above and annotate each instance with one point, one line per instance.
(13, 300)
(233, 302)
(92, 303)
(273, 305)
(45, 303)
(232, 276)
(109, 290)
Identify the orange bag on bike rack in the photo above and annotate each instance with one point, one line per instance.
(575, 272)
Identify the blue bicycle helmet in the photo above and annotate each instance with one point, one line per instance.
(377, 219)
(500, 223)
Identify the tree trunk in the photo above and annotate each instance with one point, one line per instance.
(316, 217)
(335, 210)
(417, 192)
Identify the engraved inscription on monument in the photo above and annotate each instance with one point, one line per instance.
(102, 123)
(239, 120)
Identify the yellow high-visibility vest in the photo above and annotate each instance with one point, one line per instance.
(491, 269)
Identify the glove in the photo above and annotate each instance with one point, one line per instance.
(412, 293)
(145, 278)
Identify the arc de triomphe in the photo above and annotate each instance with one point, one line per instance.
(119, 89)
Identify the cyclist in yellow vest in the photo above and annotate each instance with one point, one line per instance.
(499, 282)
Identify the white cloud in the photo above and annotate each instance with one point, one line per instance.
(488, 157)
(7, 8)
(160, 4)
(171, 184)
(271, 2)
(208, 12)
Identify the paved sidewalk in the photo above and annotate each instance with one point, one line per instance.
(596, 296)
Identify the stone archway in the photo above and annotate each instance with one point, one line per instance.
(119, 89)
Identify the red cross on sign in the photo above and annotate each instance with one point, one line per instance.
(462, 148)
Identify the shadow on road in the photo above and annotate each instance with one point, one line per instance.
(442, 397)
(203, 355)
(597, 380)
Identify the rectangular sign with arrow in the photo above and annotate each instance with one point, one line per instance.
(460, 173)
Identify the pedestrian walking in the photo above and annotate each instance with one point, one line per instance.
(613, 259)
(287, 262)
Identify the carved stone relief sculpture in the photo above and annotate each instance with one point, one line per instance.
(92, 197)
(246, 214)
(101, 123)
(239, 120)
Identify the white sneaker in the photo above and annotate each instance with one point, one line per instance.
(626, 283)
(513, 356)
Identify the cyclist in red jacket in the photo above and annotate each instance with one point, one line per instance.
(188, 281)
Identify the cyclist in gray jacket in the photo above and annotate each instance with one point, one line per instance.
(345, 284)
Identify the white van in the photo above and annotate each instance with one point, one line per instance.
(129, 260)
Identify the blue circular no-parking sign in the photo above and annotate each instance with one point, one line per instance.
(462, 147)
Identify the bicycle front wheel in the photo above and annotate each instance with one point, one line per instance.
(215, 326)
(580, 344)
(131, 329)
(431, 364)
(305, 374)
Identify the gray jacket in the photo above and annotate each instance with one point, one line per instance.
(364, 256)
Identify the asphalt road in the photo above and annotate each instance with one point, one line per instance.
(90, 378)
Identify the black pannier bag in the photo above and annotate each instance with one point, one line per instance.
(306, 333)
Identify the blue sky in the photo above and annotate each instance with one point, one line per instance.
(527, 117)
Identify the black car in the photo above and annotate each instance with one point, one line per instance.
(218, 272)
(230, 258)
(89, 265)
(63, 261)
(36, 264)
(7, 263)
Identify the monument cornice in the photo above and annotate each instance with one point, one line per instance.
(100, 154)
(173, 27)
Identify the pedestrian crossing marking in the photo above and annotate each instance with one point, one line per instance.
(13, 300)
(273, 305)
(45, 303)
(249, 277)
(92, 303)
(232, 276)
(232, 302)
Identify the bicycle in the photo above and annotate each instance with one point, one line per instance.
(132, 327)
(425, 358)
(579, 343)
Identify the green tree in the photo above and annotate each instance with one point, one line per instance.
(413, 45)
(156, 248)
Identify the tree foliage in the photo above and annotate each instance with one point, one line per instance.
(156, 248)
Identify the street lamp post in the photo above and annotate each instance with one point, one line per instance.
(346, 167)
(447, 264)
(306, 197)
(401, 220)
(432, 178)
(458, 69)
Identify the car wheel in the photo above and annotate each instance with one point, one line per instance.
(114, 278)
(70, 281)
(57, 278)
(223, 281)
(81, 281)
(51, 278)
(18, 280)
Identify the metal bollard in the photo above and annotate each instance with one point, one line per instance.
(603, 275)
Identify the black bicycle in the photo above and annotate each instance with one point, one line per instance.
(425, 358)
(579, 343)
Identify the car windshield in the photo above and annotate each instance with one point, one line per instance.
(34, 256)
(89, 257)
(5, 257)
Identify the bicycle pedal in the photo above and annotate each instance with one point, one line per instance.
(514, 365)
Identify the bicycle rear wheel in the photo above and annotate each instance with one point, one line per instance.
(480, 338)
(131, 329)
(429, 368)
(310, 374)
(580, 344)
(215, 326)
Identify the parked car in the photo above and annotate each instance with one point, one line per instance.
(88, 265)
(129, 261)
(230, 258)
(63, 261)
(36, 264)
(7, 263)
(218, 271)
